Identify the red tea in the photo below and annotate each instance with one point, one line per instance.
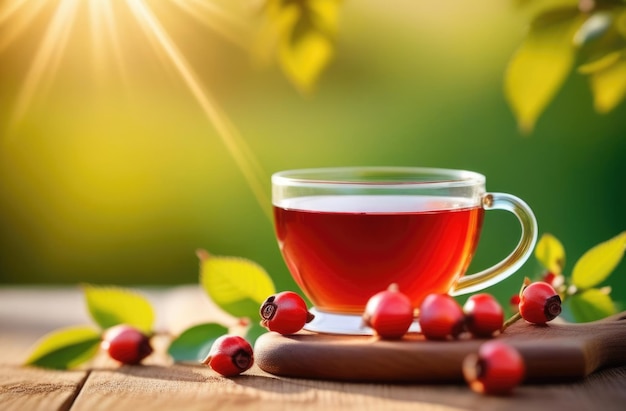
(343, 249)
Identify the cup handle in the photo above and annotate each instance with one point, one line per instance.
(509, 265)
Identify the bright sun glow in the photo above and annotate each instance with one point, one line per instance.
(65, 18)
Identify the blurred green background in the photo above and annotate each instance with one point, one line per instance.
(115, 175)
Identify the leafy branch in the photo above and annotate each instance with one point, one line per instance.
(582, 291)
(237, 285)
(586, 36)
(72, 346)
(300, 35)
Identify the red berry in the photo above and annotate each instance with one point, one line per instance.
(497, 368)
(539, 303)
(126, 344)
(389, 313)
(483, 315)
(230, 355)
(285, 313)
(514, 303)
(440, 317)
(555, 280)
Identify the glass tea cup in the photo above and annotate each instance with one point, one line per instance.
(348, 233)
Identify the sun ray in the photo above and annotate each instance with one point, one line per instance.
(227, 132)
(103, 27)
(47, 58)
(16, 16)
(21, 16)
(10, 8)
(98, 19)
(218, 20)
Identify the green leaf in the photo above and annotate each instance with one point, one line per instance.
(608, 84)
(304, 58)
(110, 306)
(550, 253)
(597, 264)
(65, 348)
(600, 63)
(194, 343)
(591, 305)
(541, 64)
(237, 285)
(303, 32)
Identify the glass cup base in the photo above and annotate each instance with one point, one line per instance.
(342, 324)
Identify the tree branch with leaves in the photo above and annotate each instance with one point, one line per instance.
(586, 37)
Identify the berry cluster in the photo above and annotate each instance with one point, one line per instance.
(285, 313)
(496, 368)
(230, 355)
(390, 313)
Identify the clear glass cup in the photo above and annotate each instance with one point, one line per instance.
(347, 233)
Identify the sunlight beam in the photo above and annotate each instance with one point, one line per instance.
(225, 129)
(219, 21)
(10, 8)
(21, 18)
(47, 57)
(103, 26)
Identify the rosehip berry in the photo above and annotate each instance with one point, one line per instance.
(497, 368)
(126, 344)
(514, 303)
(483, 315)
(440, 317)
(230, 355)
(555, 280)
(389, 313)
(285, 313)
(539, 303)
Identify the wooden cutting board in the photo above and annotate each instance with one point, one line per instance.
(554, 352)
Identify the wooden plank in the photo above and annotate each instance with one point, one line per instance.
(556, 352)
(193, 388)
(29, 388)
(26, 314)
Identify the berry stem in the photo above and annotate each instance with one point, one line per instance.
(510, 321)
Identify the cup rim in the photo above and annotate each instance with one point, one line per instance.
(447, 177)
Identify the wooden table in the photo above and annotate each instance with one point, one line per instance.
(27, 313)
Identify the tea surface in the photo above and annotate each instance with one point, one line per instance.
(343, 249)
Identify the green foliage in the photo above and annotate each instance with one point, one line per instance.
(585, 302)
(237, 285)
(565, 35)
(541, 65)
(590, 305)
(65, 348)
(301, 35)
(194, 343)
(550, 253)
(110, 306)
(598, 263)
